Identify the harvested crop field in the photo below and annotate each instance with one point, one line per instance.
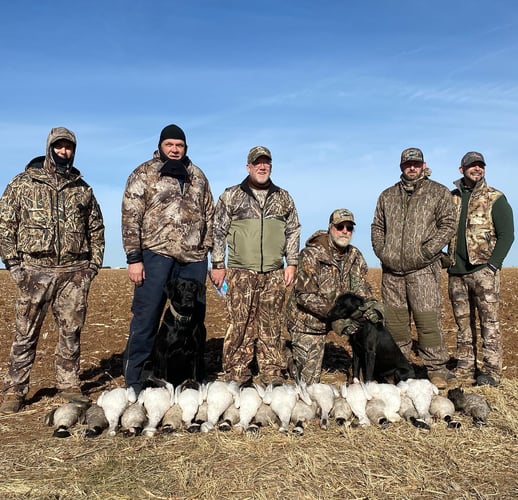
(397, 462)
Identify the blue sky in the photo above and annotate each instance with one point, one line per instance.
(336, 89)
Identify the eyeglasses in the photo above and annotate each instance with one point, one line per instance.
(342, 225)
(261, 163)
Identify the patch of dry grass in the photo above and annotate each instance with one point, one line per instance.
(400, 461)
(342, 463)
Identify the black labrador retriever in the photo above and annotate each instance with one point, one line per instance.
(374, 349)
(179, 347)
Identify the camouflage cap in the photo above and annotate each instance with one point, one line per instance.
(472, 157)
(341, 215)
(411, 154)
(258, 151)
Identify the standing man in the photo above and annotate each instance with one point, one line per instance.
(258, 222)
(485, 233)
(413, 221)
(52, 243)
(328, 267)
(167, 213)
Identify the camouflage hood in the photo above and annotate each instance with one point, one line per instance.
(323, 274)
(56, 134)
(326, 251)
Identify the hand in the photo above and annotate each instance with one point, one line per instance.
(373, 311)
(136, 273)
(289, 275)
(218, 276)
(346, 326)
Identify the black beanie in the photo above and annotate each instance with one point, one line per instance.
(172, 132)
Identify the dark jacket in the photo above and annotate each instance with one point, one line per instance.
(409, 231)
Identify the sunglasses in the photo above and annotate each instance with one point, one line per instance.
(340, 227)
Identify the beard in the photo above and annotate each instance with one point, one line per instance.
(340, 241)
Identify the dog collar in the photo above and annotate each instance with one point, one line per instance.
(178, 316)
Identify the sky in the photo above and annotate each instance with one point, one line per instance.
(335, 89)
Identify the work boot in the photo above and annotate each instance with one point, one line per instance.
(73, 393)
(465, 377)
(12, 404)
(441, 378)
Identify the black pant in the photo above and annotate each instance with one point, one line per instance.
(148, 305)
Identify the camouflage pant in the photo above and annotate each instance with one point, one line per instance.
(66, 291)
(416, 295)
(469, 293)
(308, 354)
(254, 307)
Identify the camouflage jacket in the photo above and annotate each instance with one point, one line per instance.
(481, 235)
(322, 275)
(48, 218)
(160, 215)
(409, 231)
(258, 238)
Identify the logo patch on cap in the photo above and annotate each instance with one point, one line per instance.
(411, 154)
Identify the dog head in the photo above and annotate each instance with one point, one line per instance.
(182, 293)
(346, 306)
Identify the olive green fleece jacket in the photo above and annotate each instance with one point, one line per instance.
(257, 238)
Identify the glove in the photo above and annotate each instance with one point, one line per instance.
(445, 260)
(373, 311)
(346, 326)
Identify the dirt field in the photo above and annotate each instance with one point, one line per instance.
(399, 462)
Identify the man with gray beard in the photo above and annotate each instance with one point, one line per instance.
(328, 267)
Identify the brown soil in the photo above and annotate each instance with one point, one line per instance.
(105, 332)
(404, 463)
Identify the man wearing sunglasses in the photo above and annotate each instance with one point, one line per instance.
(328, 267)
(413, 221)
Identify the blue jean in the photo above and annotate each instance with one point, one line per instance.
(148, 305)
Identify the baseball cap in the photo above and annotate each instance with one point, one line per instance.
(472, 157)
(411, 154)
(258, 151)
(341, 215)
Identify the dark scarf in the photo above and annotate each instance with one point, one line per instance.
(63, 165)
(176, 169)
